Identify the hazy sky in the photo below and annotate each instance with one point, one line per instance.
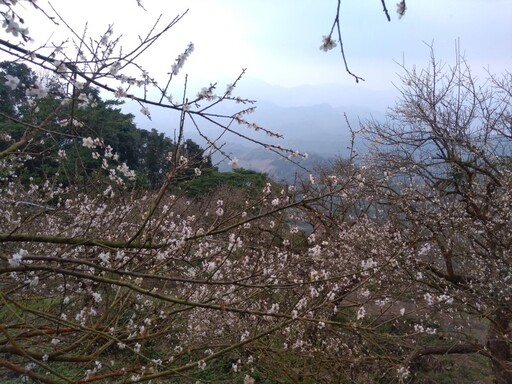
(278, 40)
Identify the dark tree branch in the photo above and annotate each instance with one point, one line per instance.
(385, 10)
(139, 4)
(465, 348)
(336, 25)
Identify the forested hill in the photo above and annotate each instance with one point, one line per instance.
(63, 151)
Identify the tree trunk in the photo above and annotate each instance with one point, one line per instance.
(499, 347)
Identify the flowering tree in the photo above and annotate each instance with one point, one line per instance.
(102, 280)
(354, 274)
(444, 157)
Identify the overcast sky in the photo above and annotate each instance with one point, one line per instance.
(278, 40)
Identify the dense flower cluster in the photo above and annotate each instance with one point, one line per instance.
(359, 270)
(180, 60)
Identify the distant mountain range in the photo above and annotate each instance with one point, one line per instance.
(336, 95)
(311, 119)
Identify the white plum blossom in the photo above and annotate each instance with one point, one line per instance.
(88, 142)
(428, 298)
(206, 93)
(114, 68)
(233, 162)
(327, 43)
(82, 97)
(245, 335)
(229, 89)
(180, 60)
(15, 259)
(361, 313)
(38, 91)
(60, 67)
(315, 251)
(145, 111)
(79, 84)
(401, 8)
(12, 82)
(14, 28)
(104, 257)
(97, 297)
(403, 372)
(120, 92)
(34, 282)
(332, 180)
(183, 161)
(126, 171)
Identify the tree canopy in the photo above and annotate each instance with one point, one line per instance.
(58, 150)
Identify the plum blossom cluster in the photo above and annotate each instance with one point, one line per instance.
(36, 90)
(206, 93)
(401, 8)
(180, 60)
(17, 257)
(12, 21)
(12, 27)
(12, 82)
(107, 157)
(293, 287)
(86, 100)
(328, 43)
